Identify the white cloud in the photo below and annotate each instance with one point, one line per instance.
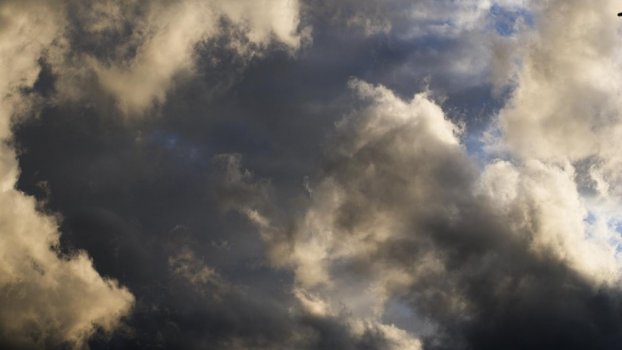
(566, 105)
(566, 111)
(542, 202)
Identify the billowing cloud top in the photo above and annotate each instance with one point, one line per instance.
(294, 174)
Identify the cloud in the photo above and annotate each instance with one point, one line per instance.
(370, 217)
(569, 37)
(558, 226)
(564, 111)
(357, 332)
(403, 212)
(48, 299)
(51, 298)
(566, 102)
(167, 34)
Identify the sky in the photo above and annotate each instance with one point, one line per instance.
(310, 174)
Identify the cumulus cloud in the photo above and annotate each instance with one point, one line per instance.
(250, 197)
(566, 104)
(167, 34)
(47, 299)
(558, 226)
(404, 212)
(565, 109)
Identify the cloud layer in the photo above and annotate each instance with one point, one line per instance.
(310, 175)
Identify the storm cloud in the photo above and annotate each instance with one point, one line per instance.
(296, 174)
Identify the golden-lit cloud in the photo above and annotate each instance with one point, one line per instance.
(169, 33)
(47, 299)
